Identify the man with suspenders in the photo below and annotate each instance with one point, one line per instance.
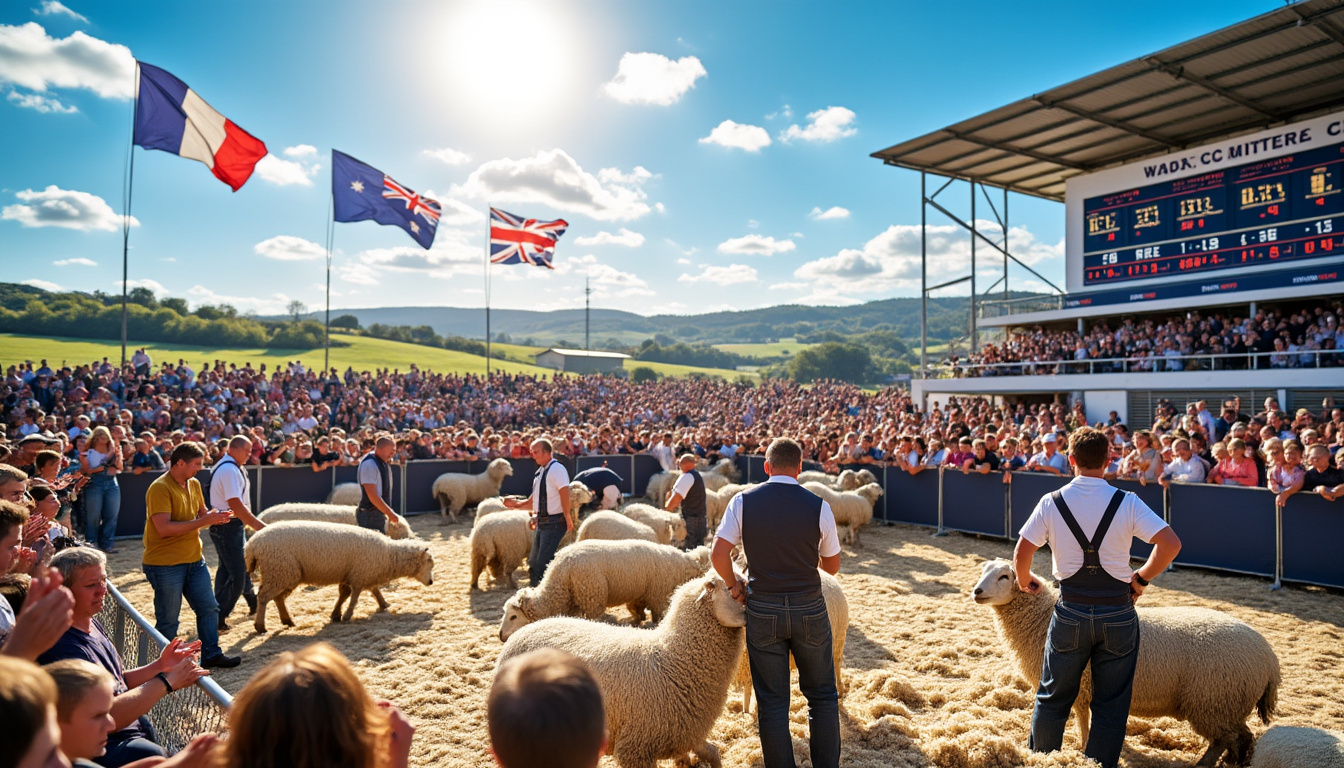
(375, 486)
(230, 489)
(549, 503)
(689, 495)
(1090, 526)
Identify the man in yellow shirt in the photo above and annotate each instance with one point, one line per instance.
(175, 512)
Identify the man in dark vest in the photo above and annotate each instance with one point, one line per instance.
(549, 502)
(605, 485)
(688, 494)
(375, 486)
(1090, 527)
(787, 532)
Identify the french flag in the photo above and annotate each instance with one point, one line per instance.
(171, 117)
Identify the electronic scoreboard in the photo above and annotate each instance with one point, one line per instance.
(1219, 215)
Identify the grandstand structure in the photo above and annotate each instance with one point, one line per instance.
(1205, 177)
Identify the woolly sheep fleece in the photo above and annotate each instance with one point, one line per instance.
(1289, 747)
(613, 526)
(930, 684)
(345, 494)
(500, 542)
(457, 490)
(579, 494)
(852, 509)
(670, 526)
(329, 513)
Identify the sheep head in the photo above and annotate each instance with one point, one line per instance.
(865, 477)
(727, 611)
(399, 529)
(425, 574)
(998, 583)
(701, 555)
(677, 524)
(872, 492)
(499, 469)
(517, 613)
(579, 494)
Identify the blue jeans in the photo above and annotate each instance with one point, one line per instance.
(1107, 637)
(102, 505)
(778, 625)
(545, 542)
(231, 579)
(371, 519)
(171, 583)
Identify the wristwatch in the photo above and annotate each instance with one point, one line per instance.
(166, 684)
(1139, 578)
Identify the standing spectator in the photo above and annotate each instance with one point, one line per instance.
(145, 459)
(663, 452)
(1235, 468)
(1322, 479)
(1049, 459)
(231, 490)
(550, 492)
(375, 486)
(1143, 463)
(787, 532)
(1287, 476)
(982, 460)
(688, 497)
(1186, 467)
(101, 461)
(545, 711)
(963, 454)
(175, 513)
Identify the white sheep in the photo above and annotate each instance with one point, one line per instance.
(1288, 747)
(852, 509)
(662, 688)
(1195, 664)
(613, 526)
(813, 476)
(591, 576)
(329, 513)
(500, 541)
(716, 477)
(296, 552)
(837, 611)
(670, 526)
(455, 490)
(579, 494)
(847, 480)
(345, 494)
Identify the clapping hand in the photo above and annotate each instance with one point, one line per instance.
(402, 732)
(45, 616)
(36, 527)
(176, 651)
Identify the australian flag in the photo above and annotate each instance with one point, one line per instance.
(515, 240)
(360, 192)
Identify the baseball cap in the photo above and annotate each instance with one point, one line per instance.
(1050, 437)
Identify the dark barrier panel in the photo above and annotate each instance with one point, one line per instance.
(646, 466)
(1313, 527)
(344, 473)
(520, 482)
(1225, 527)
(1151, 494)
(912, 498)
(1026, 491)
(973, 502)
(755, 471)
(131, 516)
(743, 463)
(812, 466)
(621, 465)
(278, 485)
(420, 477)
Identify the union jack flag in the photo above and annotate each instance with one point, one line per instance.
(515, 240)
(415, 204)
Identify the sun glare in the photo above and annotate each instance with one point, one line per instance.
(507, 60)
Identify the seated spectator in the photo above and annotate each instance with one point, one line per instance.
(545, 711)
(13, 483)
(84, 571)
(1322, 479)
(1235, 468)
(308, 709)
(28, 715)
(84, 695)
(1185, 467)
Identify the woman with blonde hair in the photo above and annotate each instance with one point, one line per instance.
(1235, 468)
(1143, 463)
(309, 710)
(101, 461)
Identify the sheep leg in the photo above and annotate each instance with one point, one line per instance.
(634, 757)
(746, 697)
(1082, 710)
(354, 598)
(264, 596)
(706, 754)
(382, 603)
(284, 609)
(343, 592)
(1217, 746)
(854, 534)
(477, 565)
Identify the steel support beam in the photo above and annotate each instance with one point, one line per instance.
(1179, 72)
(1118, 125)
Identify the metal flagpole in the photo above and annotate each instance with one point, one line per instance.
(331, 233)
(126, 218)
(487, 292)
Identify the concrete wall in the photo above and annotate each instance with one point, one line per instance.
(1098, 404)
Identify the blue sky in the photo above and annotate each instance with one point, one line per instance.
(644, 124)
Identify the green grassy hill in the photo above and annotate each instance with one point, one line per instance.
(779, 348)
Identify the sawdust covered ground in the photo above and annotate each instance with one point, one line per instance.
(929, 682)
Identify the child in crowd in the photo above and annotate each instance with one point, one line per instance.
(545, 711)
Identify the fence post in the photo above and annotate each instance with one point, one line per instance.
(940, 531)
(632, 475)
(1007, 509)
(403, 487)
(261, 471)
(1278, 548)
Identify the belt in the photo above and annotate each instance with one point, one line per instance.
(1069, 596)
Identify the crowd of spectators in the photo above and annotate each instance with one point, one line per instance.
(1308, 336)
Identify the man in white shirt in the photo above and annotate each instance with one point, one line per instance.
(1049, 459)
(1090, 527)
(549, 502)
(230, 489)
(663, 452)
(1185, 468)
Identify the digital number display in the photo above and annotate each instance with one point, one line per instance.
(1282, 209)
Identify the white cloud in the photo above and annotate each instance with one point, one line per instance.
(651, 78)
(554, 179)
(357, 273)
(826, 124)
(57, 8)
(785, 112)
(683, 262)
(455, 212)
(756, 245)
(753, 224)
(738, 136)
(289, 248)
(273, 304)
(889, 262)
(288, 172)
(45, 285)
(76, 262)
(455, 253)
(623, 236)
(449, 156)
(154, 286)
(67, 208)
(301, 150)
(732, 274)
(44, 104)
(618, 284)
(834, 212)
(31, 59)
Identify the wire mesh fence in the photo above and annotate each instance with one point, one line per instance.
(177, 717)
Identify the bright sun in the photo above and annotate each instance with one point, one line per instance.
(507, 60)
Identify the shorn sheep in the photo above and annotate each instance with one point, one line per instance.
(670, 526)
(1195, 664)
(501, 542)
(329, 513)
(837, 610)
(663, 688)
(345, 494)
(1288, 747)
(579, 494)
(296, 552)
(455, 491)
(613, 526)
(591, 576)
(852, 509)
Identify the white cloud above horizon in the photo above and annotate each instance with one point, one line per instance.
(622, 236)
(65, 208)
(651, 78)
(284, 173)
(618, 284)
(732, 274)
(824, 125)
(57, 8)
(449, 156)
(45, 285)
(756, 245)
(289, 248)
(749, 138)
(80, 262)
(40, 103)
(33, 60)
(555, 179)
(834, 212)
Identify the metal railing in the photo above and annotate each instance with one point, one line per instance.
(183, 714)
(987, 308)
(1300, 359)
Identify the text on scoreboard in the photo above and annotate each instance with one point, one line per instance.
(1284, 209)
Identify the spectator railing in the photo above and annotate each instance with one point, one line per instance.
(999, 307)
(1316, 358)
(183, 714)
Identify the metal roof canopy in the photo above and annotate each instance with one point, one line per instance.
(1278, 67)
